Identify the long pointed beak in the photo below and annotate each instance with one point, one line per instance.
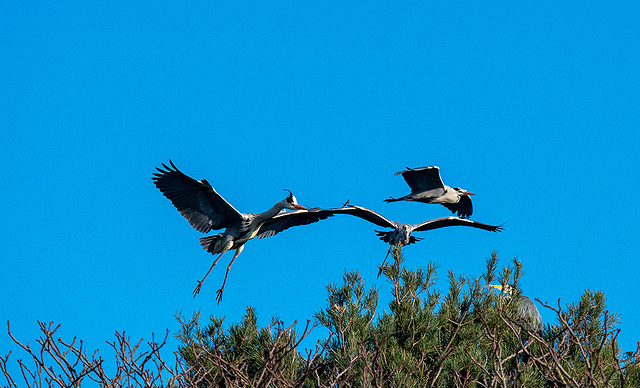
(497, 287)
(468, 193)
(299, 206)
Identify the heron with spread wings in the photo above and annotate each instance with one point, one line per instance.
(427, 187)
(401, 233)
(207, 210)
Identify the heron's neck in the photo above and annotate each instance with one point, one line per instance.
(270, 213)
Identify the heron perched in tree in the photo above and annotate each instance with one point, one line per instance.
(427, 186)
(206, 210)
(527, 310)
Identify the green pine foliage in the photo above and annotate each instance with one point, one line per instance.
(463, 335)
(242, 355)
(466, 336)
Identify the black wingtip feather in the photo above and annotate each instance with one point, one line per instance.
(206, 183)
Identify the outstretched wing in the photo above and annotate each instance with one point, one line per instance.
(422, 178)
(454, 221)
(367, 214)
(288, 219)
(196, 200)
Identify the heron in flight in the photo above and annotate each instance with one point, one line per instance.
(401, 233)
(527, 310)
(206, 210)
(427, 186)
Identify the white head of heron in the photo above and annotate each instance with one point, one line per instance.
(292, 203)
(504, 289)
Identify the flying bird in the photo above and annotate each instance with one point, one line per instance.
(206, 210)
(527, 310)
(427, 186)
(401, 233)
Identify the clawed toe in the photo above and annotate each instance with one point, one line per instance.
(219, 295)
(197, 289)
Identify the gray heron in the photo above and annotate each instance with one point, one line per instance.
(427, 186)
(206, 210)
(527, 310)
(401, 233)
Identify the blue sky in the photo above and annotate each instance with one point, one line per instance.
(535, 107)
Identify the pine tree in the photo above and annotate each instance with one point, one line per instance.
(464, 336)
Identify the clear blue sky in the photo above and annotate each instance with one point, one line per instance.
(535, 107)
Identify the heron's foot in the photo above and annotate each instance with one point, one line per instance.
(196, 291)
(219, 295)
(380, 271)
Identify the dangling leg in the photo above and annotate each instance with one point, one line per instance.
(226, 248)
(219, 292)
(384, 261)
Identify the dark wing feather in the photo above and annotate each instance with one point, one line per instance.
(422, 178)
(367, 214)
(196, 200)
(464, 207)
(286, 220)
(454, 221)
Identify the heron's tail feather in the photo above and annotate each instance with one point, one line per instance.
(384, 236)
(212, 244)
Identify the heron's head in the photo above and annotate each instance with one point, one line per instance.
(292, 203)
(506, 289)
(462, 191)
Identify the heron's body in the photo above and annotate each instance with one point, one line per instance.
(240, 233)
(206, 210)
(527, 310)
(427, 187)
